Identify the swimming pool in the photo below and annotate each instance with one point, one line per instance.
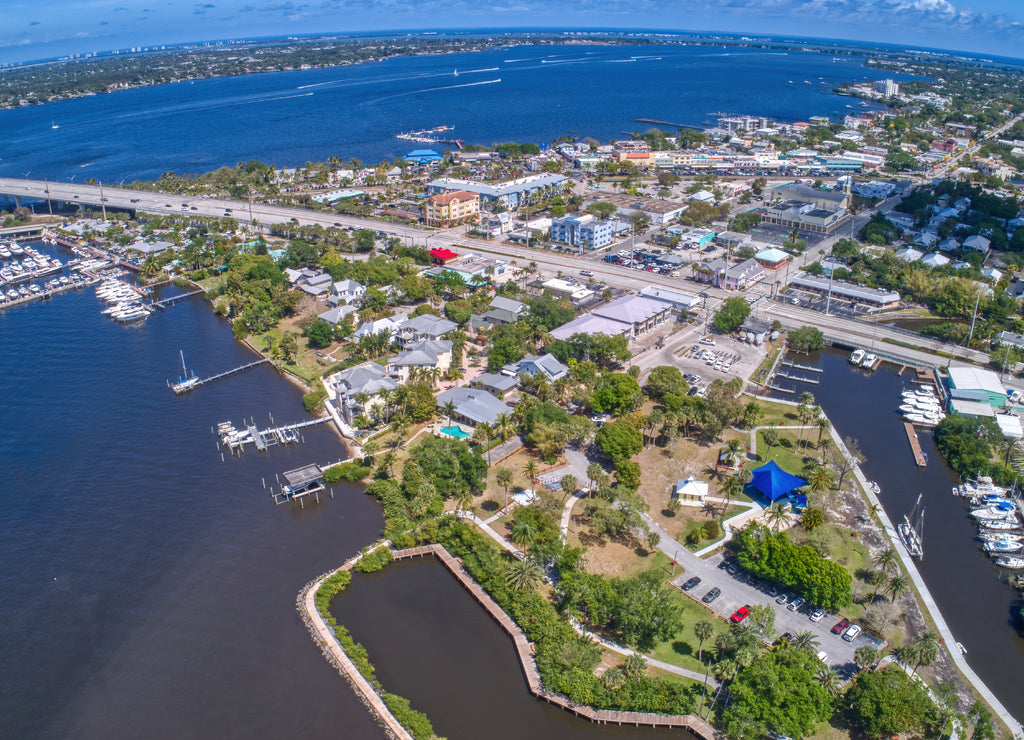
(455, 432)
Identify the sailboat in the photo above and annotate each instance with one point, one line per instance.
(911, 530)
(455, 73)
(54, 125)
(189, 378)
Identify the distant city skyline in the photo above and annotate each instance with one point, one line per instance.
(30, 31)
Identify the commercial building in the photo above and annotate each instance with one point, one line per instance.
(675, 298)
(875, 298)
(661, 212)
(582, 231)
(887, 88)
(509, 194)
(451, 209)
(983, 382)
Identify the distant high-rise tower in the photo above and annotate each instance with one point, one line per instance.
(888, 88)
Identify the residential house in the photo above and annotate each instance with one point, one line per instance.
(358, 389)
(502, 311)
(346, 291)
(546, 364)
(314, 282)
(909, 254)
(690, 491)
(473, 406)
(581, 230)
(935, 260)
(419, 356)
(497, 384)
(424, 326)
(336, 314)
(977, 243)
(370, 328)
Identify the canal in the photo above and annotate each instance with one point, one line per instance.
(973, 594)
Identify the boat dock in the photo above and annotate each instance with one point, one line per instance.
(797, 378)
(915, 445)
(262, 439)
(301, 482)
(796, 366)
(49, 293)
(185, 387)
(779, 389)
(164, 303)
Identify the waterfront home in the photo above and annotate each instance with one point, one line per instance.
(390, 325)
(427, 354)
(358, 389)
(473, 406)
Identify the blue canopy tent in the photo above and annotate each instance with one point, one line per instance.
(774, 482)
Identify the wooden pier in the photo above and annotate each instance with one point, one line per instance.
(263, 439)
(797, 378)
(525, 651)
(164, 303)
(915, 445)
(181, 388)
(796, 366)
(49, 293)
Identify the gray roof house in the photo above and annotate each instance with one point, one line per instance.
(495, 383)
(473, 406)
(546, 364)
(369, 378)
(346, 291)
(503, 311)
(336, 314)
(641, 313)
(424, 326)
(427, 353)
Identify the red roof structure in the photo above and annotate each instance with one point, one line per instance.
(443, 256)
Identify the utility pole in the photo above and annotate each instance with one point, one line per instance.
(49, 204)
(103, 203)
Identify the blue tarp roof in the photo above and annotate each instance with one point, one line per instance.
(774, 482)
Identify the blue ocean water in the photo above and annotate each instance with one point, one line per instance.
(512, 94)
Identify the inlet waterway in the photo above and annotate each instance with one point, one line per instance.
(973, 595)
(149, 588)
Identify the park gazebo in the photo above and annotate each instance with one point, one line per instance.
(774, 482)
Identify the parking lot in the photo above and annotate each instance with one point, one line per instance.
(738, 592)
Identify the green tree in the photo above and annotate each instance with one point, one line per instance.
(523, 575)
(702, 630)
(887, 702)
(805, 339)
(865, 656)
(616, 394)
(665, 380)
(898, 585)
(733, 312)
(777, 692)
(503, 476)
(619, 440)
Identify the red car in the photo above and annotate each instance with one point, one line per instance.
(742, 613)
(841, 626)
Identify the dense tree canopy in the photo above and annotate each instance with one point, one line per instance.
(887, 702)
(777, 693)
(619, 440)
(616, 394)
(733, 312)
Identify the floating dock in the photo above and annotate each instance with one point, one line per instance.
(797, 378)
(796, 366)
(915, 445)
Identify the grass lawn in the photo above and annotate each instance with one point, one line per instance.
(776, 414)
(681, 648)
(786, 454)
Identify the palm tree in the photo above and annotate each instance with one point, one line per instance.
(886, 560)
(732, 450)
(523, 533)
(927, 645)
(464, 501)
(523, 575)
(771, 439)
(504, 479)
(820, 479)
(805, 640)
(828, 678)
(865, 656)
(731, 487)
(702, 630)
(824, 447)
(823, 425)
(906, 654)
(569, 485)
(502, 422)
(449, 410)
(776, 515)
(898, 586)
(531, 470)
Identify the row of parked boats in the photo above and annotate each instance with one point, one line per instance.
(124, 301)
(33, 265)
(921, 407)
(995, 510)
(863, 358)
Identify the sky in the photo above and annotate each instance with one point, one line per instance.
(30, 29)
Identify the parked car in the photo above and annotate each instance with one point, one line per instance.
(851, 634)
(773, 590)
(840, 626)
(712, 595)
(796, 603)
(817, 615)
(784, 599)
(733, 568)
(740, 614)
(691, 583)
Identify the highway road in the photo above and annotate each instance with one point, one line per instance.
(836, 328)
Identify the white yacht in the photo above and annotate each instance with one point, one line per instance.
(1010, 561)
(857, 356)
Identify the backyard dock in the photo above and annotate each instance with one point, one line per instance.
(192, 384)
(263, 439)
(915, 445)
(165, 302)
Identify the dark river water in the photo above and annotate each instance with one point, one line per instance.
(973, 595)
